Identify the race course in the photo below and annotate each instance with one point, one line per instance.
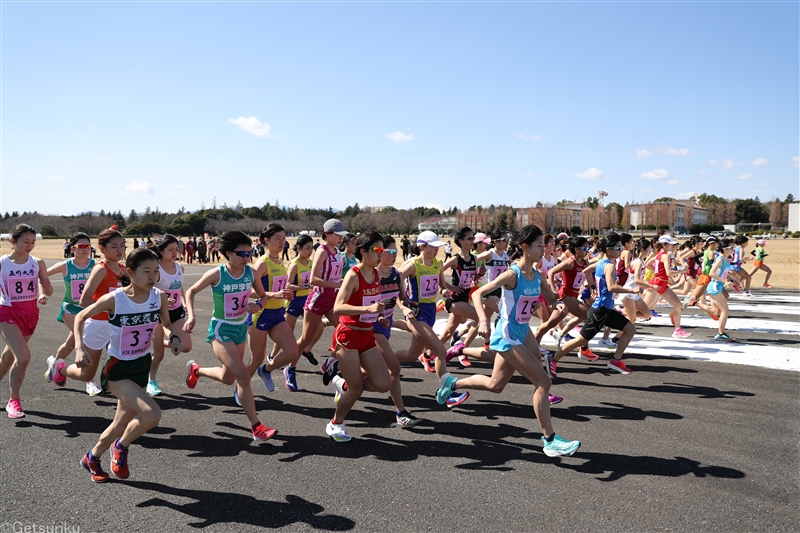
(702, 436)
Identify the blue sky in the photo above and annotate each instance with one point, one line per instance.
(123, 106)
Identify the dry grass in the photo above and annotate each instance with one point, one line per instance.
(784, 259)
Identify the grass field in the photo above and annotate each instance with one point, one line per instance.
(784, 259)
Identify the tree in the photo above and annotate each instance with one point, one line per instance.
(48, 230)
(710, 199)
(132, 216)
(615, 212)
(750, 210)
(663, 200)
(789, 199)
(592, 202)
(14, 214)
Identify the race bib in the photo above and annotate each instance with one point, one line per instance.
(177, 296)
(497, 271)
(279, 283)
(22, 289)
(336, 271)
(428, 286)
(578, 280)
(305, 279)
(465, 278)
(135, 340)
(369, 300)
(389, 311)
(236, 304)
(526, 305)
(76, 289)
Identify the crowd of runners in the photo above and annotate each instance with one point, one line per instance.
(491, 287)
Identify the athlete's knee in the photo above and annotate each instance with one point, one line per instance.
(629, 329)
(497, 387)
(186, 344)
(150, 417)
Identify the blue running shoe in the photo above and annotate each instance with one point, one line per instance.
(290, 376)
(654, 314)
(560, 446)
(445, 390)
(236, 396)
(457, 398)
(329, 369)
(266, 378)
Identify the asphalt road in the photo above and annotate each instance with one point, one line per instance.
(678, 445)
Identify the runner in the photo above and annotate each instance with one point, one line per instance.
(738, 261)
(75, 272)
(326, 278)
(23, 285)
(662, 268)
(425, 279)
(696, 296)
(758, 264)
(602, 314)
(170, 282)
(518, 351)
(348, 249)
(134, 312)
(633, 304)
(230, 284)
(271, 320)
(719, 273)
(549, 317)
(464, 272)
(359, 304)
(105, 277)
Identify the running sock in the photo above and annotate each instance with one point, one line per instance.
(550, 438)
(254, 426)
(401, 413)
(119, 445)
(443, 378)
(92, 458)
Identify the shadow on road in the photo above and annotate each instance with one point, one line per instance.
(212, 508)
(618, 466)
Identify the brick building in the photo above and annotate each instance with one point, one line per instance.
(678, 215)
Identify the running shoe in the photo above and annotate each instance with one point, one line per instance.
(119, 460)
(329, 369)
(337, 432)
(311, 358)
(262, 432)
(440, 306)
(560, 446)
(544, 352)
(59, 379)
(723, 337)
(568, 337)
(191, 373)
(587, 354)
(92, 389)
(464, 361)
(608, 343)
(688, 302)
(551, 365)
(51, 368)
(14, 409)
(654, 314)
(679, 333)
(456, 398)
(455, 351)
(555, 399)
(337, 397)
(152, 388)
(737, 289)
(426, 364)
(290, 377)
(406, 419)
(619, 366)
(94, 468)
(445, 390)
(339, 384)
(486, 346)
(325, 322)
(236, 395)
(454, 340)
(266, 378)
(767, 286)
(713, 316)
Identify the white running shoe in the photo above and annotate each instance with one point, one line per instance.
(92, 389)
(337, 432)
(608, 343)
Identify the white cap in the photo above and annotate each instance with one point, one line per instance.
(482, 237)
(666, 239)
(429, 238)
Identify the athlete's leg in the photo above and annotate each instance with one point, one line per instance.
(15, 358)
(68, 345)
(145, 411)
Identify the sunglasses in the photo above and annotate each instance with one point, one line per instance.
(83, 246)
(469, 238)
(585, 248)
(242, 253)
(500, 240)
(378, 249)
(390, 252)
(618, 248)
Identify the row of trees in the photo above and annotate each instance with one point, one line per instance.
(386, 219)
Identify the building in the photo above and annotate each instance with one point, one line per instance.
(439, 225)
(678, 215)
(794, 218)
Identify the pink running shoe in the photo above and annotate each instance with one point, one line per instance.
(555, 399)
(679, 333)
(14, 409)
(455, 351)
(59, 379)
(191, 374)
(426, 364)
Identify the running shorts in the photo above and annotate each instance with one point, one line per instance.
(597, 319)
(226, 332)
(352, 339)
(136, 370)
(25, 319)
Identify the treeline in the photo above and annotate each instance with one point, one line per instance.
(217, 219)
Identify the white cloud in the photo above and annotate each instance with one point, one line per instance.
(184, 188)
(252, 125)
(744, 177)
(759, 162)
(727, 164)
(534, 137)
(100, 158)
(672, 182)
(668, 150)
(713, 163)
(400, 137)
(529, 175)
(657, 174)
(143, 187)
(687, 195)
(642, 154)
(703, 173)
(765, 184)
(434, 206)
(590, 174)
(521, 137)
(756, 191)
(57, 178)
(795, 162)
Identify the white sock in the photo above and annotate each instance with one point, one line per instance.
(338, 382)
(443, 378)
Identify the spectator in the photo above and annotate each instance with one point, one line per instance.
(448, 251)
(190, 251)
(201, 251)
(181, 248)
(285, 250)
(67, 249)
(212, 248)
(404, 244)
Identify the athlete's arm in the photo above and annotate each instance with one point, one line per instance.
(96, 277)
(612, 285)
(507, 279)
(262, 296)
(103, 305)
(163, 316)
(406, 271)
(485, 256)
(291, 273)
(341, 307)
(211, 277)
(715, 268)
(316, 271)
(45, 287)
(558, 268)
(58, 268)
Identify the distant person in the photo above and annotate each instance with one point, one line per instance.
(316, 245)
(212, 249)
(181, 249)
(202, 250)
(404, 245)
(189, 251)
(67, 249)
(285, 254)
(448, 251)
